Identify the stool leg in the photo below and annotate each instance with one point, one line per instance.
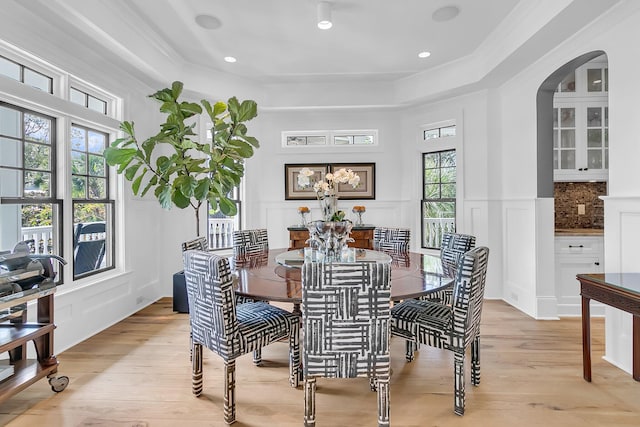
(196, 372)
(310, 402)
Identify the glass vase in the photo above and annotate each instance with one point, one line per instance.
(329, 206)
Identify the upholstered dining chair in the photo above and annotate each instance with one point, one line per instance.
(391, 239)
(452, 327)
(250, 242)
(231, 330)
(452, 248)
(345, 313)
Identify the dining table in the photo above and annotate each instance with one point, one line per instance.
(275, 275)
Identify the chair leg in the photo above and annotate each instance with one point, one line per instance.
(230, 391)
(410, 349)
(383, 402)
(294, 354)
(373, 383)
(458, 374)
(196, 371)
(475, 361)
(310, 402)
(257, 357)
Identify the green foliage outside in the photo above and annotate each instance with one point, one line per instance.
(195, 171)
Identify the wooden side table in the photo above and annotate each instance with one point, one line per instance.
(619, 290)
(361, 234)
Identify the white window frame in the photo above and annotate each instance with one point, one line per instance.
(330, 136)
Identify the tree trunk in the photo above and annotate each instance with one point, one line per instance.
(197, 212)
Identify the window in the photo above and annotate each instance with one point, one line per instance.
(438, 196)
(330, 138)
(221, 227)
(33, 184)
(92, 208)
(91, 102)
(440, 132)
(25, 75)
(29, 208)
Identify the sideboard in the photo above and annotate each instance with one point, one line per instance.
(361, 234)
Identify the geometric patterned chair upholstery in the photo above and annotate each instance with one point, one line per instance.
(452, 327)
(229, 330)
(391, 239)
(346, 328)
(452, 248)
(199, 244)
(250, 242)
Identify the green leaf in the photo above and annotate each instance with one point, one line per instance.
(135, 186)
(190, 108)
(117, 156)
(228, 207)
(163, 163)
(219, 108)
(153, 181)
(202, 189)
(127, 127)
(163, 193)
(242, 148)
(179, 199)
(187, 185)
(176, 89)
(131, 171)
(242, 112)
(253, 141)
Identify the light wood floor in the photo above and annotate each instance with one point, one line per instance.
(137, 373)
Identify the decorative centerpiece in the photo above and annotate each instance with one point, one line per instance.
(359, 210)
(303, 211)
(331, 234)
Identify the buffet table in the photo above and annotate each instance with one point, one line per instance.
(361, 234)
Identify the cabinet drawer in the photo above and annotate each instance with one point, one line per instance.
(361, 234)
(578, 245)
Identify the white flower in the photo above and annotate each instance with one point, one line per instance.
(303, 177)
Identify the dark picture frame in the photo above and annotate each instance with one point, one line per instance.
(366, 190)
(292, 191)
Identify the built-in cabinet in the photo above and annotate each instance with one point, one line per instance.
(581, 124)
(576, 255)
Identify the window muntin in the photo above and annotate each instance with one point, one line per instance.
(438, 196)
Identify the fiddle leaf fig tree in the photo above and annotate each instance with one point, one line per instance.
(176, 165)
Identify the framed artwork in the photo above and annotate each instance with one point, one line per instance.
(293, 191)
(365, 190)
(367, 187)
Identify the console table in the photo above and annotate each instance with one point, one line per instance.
(361, 234)
(619, 290)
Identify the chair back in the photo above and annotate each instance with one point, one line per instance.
(453, 247)
(199, 244)
(346, 318)
(391, 239)
(212, 308)
(248, 242)
(468, 296)
(88, 247)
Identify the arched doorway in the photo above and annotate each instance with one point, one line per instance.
(548, 127)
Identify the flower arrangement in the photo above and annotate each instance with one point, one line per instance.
(303, 211)
(326, 189)
(359, 210)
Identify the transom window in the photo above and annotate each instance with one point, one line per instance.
(87, 100)
(439, 132)
(25, 75)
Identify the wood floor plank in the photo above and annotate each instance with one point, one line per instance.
(137, 374)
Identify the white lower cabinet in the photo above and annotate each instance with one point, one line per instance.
(576, 255)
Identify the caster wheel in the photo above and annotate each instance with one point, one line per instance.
(59, 384)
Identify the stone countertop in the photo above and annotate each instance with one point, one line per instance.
(572, 232)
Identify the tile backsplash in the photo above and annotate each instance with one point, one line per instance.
(568, 195)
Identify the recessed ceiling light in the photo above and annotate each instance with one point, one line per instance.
(446, 13)
(208, 22)
(424, 54)
(230, 59)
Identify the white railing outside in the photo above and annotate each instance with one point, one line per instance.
(221, 233)
(433, 228)
(42, 238)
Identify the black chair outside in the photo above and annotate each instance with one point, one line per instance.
(346, 308)
(89, 246)
(231, 330)
(451, 327)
